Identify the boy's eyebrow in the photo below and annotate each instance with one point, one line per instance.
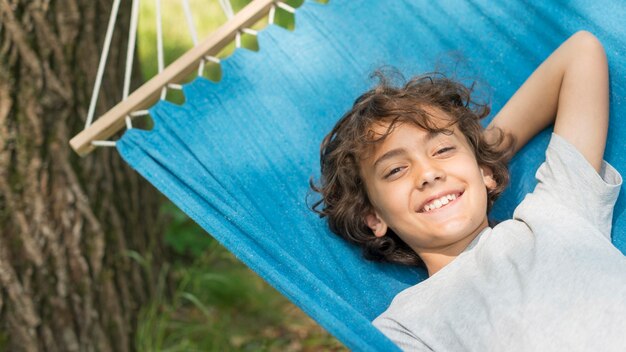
(399, 151)
(388, 155)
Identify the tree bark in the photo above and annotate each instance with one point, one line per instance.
(68, 224)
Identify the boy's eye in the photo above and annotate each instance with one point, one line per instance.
(443, 150)
(393, 172)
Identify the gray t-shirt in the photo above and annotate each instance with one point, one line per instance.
(547, 280)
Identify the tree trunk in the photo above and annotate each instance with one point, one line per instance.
(70, 227)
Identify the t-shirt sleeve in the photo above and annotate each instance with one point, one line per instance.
(400, 335)
(568, 178)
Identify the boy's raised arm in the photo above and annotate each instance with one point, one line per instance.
(570, 88)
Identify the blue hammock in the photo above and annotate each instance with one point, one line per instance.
(238, 155)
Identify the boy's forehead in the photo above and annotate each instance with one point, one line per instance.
(438, 122)
(433, 117)
(427, 119)
(380, 132)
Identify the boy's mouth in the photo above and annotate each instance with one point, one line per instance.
(439, 201)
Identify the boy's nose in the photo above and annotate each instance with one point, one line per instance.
(429, 176)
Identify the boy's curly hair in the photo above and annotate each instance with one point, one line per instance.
(344, 200)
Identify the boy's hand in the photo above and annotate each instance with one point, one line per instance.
(570, 88)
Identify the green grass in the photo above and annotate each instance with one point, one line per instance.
(207, 300)
(217, 304)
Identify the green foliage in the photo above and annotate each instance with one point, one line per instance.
(4, 341)
(219, 305)
(184, 235)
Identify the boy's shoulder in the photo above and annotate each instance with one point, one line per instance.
(569, 189)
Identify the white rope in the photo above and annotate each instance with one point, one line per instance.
(160, 44)
(250, 31)
(139, 113)
(212, 59)
(103, 60)
(286, 7)
(238, 39)
(192, 28)
(103, 143)
(201, 68)
(192, 31)
(130, 55)
(272, 14)
(227, 8)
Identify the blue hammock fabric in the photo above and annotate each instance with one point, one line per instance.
(238, 155)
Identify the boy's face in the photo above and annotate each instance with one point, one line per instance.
(408, 169)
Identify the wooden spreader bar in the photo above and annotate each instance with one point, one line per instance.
(146, 95)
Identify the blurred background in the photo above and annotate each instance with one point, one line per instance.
(92, 257)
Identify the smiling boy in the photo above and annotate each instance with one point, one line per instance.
(436, 221)
(409, 175)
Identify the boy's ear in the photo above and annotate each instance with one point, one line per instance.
(376, 224)
(488, 179)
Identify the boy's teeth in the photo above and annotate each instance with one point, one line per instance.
(438, 203)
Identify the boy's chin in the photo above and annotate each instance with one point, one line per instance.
(456, 231)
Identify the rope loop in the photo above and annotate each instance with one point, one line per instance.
(238, 39)
(272, 14)
(103, 143)
(285, 7)
(212, 59)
